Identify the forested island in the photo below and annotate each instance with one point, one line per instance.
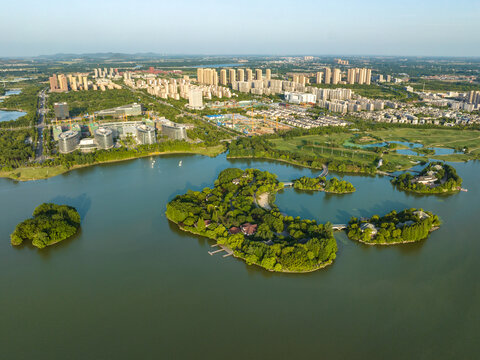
(332, 185)
(435, 178)
(231, 214)
(51, 223)
(407, 226)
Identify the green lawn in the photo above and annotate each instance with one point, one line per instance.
(330, 146)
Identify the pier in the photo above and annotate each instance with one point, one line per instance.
(228, 251)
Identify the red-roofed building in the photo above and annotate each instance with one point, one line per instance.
(249, 229)
(234, 230)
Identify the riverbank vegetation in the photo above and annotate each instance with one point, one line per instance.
(260, 147)
(50, 224)
(228, 213)
(407, 226)
(332, 185)
(435, 178)
(63, 163)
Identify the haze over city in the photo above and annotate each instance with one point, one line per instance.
(372, 27)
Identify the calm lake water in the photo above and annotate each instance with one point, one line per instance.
(131, 286)
(10, 115)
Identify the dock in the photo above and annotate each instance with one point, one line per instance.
(228, 251)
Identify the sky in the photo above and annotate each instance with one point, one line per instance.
(263, 27)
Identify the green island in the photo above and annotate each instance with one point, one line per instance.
(240, 215)
(407, 226)
(51, 223)
(332, 185)
(435, 178)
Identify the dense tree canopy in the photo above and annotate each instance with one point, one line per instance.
(50, 224)
(332, 185)
(228, 213)
(446, 176)
(15, 148)
(409, 225)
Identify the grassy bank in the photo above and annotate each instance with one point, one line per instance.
(40, 173)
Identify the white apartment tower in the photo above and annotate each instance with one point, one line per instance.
(328, 75)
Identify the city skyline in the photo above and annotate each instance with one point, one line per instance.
(275, 28)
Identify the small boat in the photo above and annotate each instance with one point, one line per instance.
(180, 163)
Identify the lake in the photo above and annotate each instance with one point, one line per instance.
(130, 285)
(10, 115)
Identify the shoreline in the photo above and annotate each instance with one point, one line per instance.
(446, 192)
(301, 165)
(326, 192)
(321, 266)
(8, 174)
(394, 243)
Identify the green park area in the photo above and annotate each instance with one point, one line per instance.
(347, 146)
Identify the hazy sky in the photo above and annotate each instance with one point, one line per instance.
(277, 27)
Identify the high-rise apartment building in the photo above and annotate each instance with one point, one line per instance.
(73, 83)
(200, 75)
(61, 111)
(301, 79)
(249, 75)
(195, 98)
(361, 76)
(319, 77)
(258, 74)
(241, 75)
(268, 74)
(351, 76)
(328, 75)
(53, 83)
(368, 79)
(231, 75)
(336, 76)
(223, 77)
(62, 83)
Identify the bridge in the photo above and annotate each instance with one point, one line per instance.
(339, 227)
(324, 171)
